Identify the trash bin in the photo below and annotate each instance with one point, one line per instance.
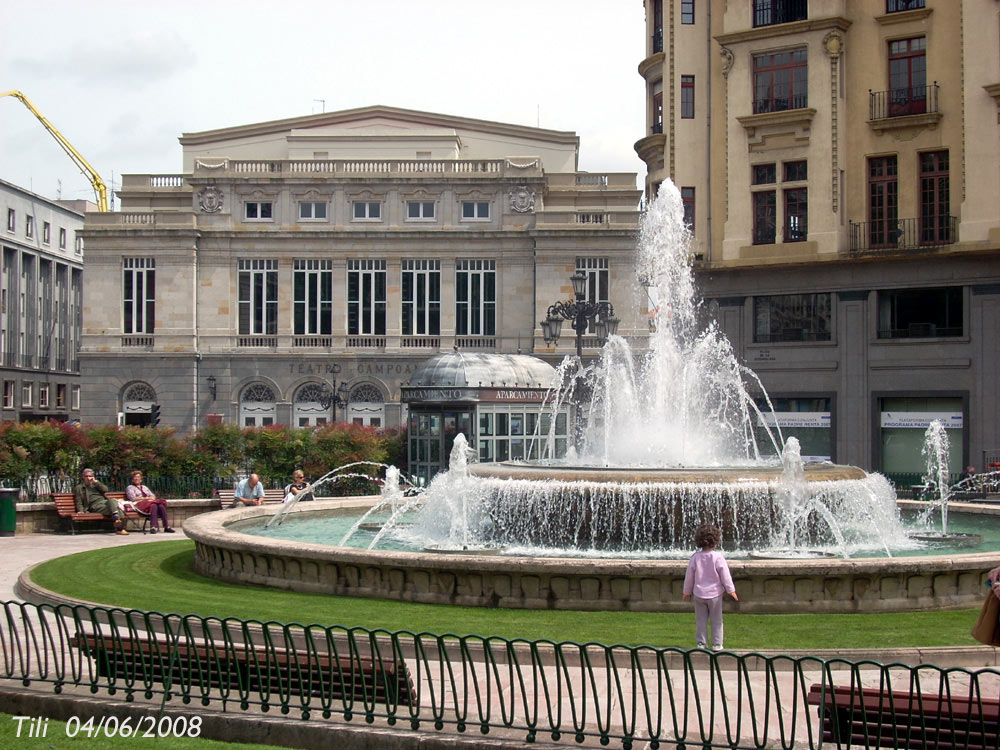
(8, 510)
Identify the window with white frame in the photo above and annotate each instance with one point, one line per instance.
(521, 431)
(46, 232)
(138, 295)
(312, 308)
(421, 295)
(312, 210)
(76, 398)
(27, 394)
(366, 297)
(77, 243)
(367, 211)
(596, 271)
(475, 298)
(29, 226)
(62, 238)
(43, 395)
(8, 394)
(258, 210)
(419, 210)
(258, 296)
(11, 220)
(257, 406)
(472, 210)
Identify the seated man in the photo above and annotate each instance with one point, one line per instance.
(248, 492)
(92, 497)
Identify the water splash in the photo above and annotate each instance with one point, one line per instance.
(936, 450)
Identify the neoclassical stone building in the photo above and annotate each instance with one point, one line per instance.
(295, 260)
(840, 165)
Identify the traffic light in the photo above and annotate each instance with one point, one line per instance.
(155, 415)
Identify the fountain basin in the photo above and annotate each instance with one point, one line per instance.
(765, 586)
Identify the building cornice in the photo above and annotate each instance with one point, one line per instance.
(903, 16)
(784, 29)
(653, 63)
(994, 90)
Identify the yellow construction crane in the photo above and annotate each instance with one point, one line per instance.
(100, 189)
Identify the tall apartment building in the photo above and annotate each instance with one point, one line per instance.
(840, 166)
(40, 300)
(296, 260)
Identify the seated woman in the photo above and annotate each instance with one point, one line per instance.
(298, 486)
(144, 501)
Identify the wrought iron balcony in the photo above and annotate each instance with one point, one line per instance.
(902, 234)
(915, 100)
(771, 12)
(895, 6)
(780, 103)
(658, 41)
(657, 128)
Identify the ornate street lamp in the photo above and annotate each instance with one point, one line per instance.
(335, 397)
(581, 314)
(212, 389)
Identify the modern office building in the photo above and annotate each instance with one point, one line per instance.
(300, 271)
(840, 166)
(41, 290)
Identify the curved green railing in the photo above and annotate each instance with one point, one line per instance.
(540, 690)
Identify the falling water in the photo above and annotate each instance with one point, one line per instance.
(936, 451)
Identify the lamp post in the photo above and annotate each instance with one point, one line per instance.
(212, 388)
(335, 397)
(581, 314)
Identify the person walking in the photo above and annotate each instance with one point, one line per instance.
(92, 497)
(144, 501)
(707, 579)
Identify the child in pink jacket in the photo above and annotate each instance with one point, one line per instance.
(707, 578)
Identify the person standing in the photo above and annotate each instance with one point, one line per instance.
(144, 501)
(92, 497)
(707, 579)
(248, 492)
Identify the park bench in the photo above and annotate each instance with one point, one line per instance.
(66, 508)
(268, 671)
(270, 496)
(872, 717)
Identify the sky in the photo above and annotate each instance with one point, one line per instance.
(123, 80)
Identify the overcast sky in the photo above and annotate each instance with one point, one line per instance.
(122, 80)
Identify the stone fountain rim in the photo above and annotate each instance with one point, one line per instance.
(526, 470)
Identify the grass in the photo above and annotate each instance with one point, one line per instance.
(56, 738)
(160, 577)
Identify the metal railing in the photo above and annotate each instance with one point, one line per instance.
(536, 690)
(913, 100)
(657, 41)
(780, 103)
(902, 234)
(771, 12)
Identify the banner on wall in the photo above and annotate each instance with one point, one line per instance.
(921, 419)
(793, 419)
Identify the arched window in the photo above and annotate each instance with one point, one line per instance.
(366, 406)
(257, 406)
(308, 406)
(137, 404)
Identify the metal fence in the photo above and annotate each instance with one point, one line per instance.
(526, 690)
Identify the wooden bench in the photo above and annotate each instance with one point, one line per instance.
(870, 717)
(66, 508)
(236, 666)
(270, 496)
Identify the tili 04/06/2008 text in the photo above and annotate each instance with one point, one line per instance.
(111, 726)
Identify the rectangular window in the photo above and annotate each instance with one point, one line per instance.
(11, 220)
(258, 211)
(771, 12)
(312, 282)
(764, 217)
(792, 317)
(781, 81)
(366, 286)
(475, 298)
(763, 174)
(687, 200)
(138, 295)
(920, 313)
(796, 215)
(907, 77)
(657, 126)
(420, 210)
(77, 243)
(421, 297)
(8, 394)
(29, 226)
(43, 396)
(883, 201)
(60, 395)
(657, 26)
(687, 97)
(687, 11)
(312, 210)
(367, 210)
(935, 199)
(475, 209)
(796, 171)
(258, 297)
(46, 232)
(895, 6)
(806, 418)
(76, 398)
(62, 238)
(27, 392)
(598, 281)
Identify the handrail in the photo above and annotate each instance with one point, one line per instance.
(542, 690)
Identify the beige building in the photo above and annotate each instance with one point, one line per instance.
(329, 255)
(840, 165)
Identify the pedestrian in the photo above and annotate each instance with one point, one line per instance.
(707, 579)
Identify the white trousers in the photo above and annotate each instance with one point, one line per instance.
(706, 610)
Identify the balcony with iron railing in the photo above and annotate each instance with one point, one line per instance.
(657, 41)
(889, 235)
(772, 12)
(903, 102)
(764, 105)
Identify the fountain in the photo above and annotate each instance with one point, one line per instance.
(671, 441)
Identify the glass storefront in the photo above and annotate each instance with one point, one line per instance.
(903, 422)
(807, 419)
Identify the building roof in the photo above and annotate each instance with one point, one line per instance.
(475, 370)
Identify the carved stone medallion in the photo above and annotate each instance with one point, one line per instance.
(210, 199)
(522, 200)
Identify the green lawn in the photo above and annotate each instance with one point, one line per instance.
(56, 738)
(160, 577)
